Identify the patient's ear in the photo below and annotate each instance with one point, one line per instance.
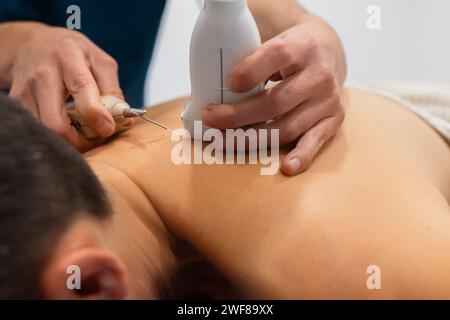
(85, 270)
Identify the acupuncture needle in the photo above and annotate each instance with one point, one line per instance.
(140, 113)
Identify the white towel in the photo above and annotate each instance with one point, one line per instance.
(429, 101)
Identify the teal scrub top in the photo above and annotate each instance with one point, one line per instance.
(126, 30)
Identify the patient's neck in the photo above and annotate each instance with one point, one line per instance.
(159, 265)
(137, 235)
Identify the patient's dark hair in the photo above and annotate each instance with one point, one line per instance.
(44, 185)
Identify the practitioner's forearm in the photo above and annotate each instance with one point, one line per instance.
(274, 17)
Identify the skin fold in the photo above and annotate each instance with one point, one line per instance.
(377, 194)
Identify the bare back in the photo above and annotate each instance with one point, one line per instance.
(378, 195)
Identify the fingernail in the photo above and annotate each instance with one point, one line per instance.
(208, 117)
(233, 84)
(294, 164)
(104, 127)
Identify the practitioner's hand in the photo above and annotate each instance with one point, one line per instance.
(306, 106)
(55, 63)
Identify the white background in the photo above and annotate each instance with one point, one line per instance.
(413, 43)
